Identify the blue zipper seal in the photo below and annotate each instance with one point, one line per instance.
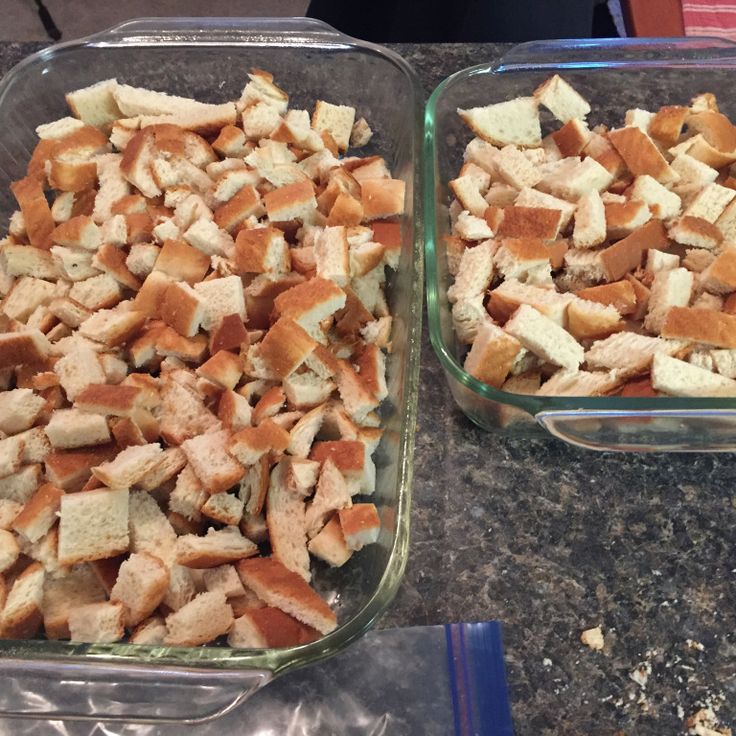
(477, 673)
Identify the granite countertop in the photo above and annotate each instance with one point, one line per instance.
(552, 540)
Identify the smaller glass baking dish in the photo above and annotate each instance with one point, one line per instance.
(614, 76)
(209, 58)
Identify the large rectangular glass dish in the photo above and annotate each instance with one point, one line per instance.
(209, 59)
(613, 76)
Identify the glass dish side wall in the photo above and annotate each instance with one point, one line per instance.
(614, 76)
(209, 59)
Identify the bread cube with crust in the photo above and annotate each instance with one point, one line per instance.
(515, 121)
(215, 548)
(277, 586)
(19, 410)
(61, 595)
(544, 337)
(22, 614)
(97, 623)
(212, 463)
(141, 585)
(337, 120)
(201, 620)
(129, 466)
(561, 99)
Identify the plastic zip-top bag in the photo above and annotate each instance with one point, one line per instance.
(422, 680)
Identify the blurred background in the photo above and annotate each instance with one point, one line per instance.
(394, 20)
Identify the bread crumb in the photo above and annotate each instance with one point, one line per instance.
(705, 723)
(593, 638)
(640, 675)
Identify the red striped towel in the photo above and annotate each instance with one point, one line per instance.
(710, 18)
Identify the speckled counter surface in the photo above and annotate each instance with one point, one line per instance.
(552, 540)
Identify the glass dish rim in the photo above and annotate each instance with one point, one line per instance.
(252, 32)
(517, 58)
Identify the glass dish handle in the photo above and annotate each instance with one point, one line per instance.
(113, 693)
(266, 31)
(597, 52)
(658, 430)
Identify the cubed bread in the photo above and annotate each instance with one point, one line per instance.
(213, 549)
(215, 467)
(141, 585)
(70, 428)
(93, 525)
(22, 614)
(286, 590)
(269, 627)
(201, 620)
(97, 623)
(515, 121)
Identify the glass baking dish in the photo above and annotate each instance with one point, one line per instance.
(614, 75)
(209, 59)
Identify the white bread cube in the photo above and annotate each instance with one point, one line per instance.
(671, 288)
(129, 466)
(9, 550)
(545, 338)
(331, 255)
(663, 203)
(61, 595)
(561, 99)
(95, 105)
(141, 585)
(21, 485)
(360, 525)
(225, 579)
(629, 352)
(73, 264)
(214, 466)
(201, 620)
(515, 169)
(277, 586)
(329, 544)
(523, 259)
(215, 548)
(470, 227)
(570, 178)
(70, 428)
(93, 525)
(692, 171)
(19, 409)
(515, 121)
(332, 494)
(188, 495)
(474, 273)
(150, 632)
(224, 508)
(101, 623)
(221, 297)
(337, 120)
(11, 456)
(206, 236)
(590, 221)
(678, 378)
(658, 260)
(710, 202)
(533, 198)
(579, 383)
(260, 120)
(21, 616)
(286, 524)
(151, 531)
